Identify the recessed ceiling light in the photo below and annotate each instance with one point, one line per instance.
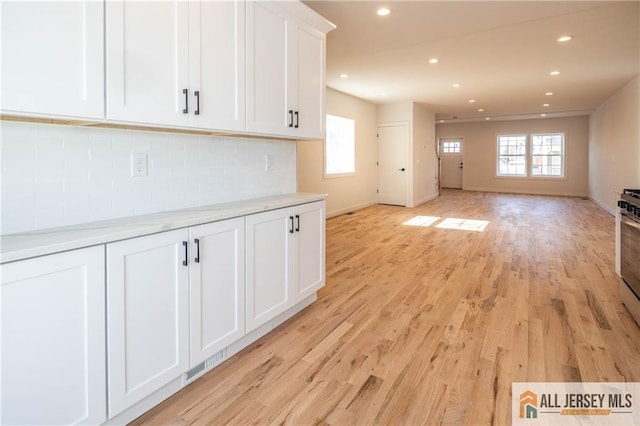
(481, 110)
(471, 101)
(565, 38)
(543, 115)
(456, 85)
(549, 94)
(383, 11)
(545, 104)
(344, 75)
(383, 93)
(554, 73)
(487, 118)
(442, 121)
(433, 61)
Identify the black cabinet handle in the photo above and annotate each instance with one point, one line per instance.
(297, 119)
(197, 259)
(185, 262)
(197, 93)
(186, 101)
(297, 223)
(291, 229)
(290, 118)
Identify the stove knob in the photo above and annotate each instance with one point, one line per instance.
(622, 204)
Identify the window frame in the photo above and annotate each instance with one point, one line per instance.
(562, 156)
(525, 156)
(327, 175)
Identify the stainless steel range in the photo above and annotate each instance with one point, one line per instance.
(629, 250)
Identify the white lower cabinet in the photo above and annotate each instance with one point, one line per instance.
(53, 339)
(174, 300)
(217, 287)
(310, 233)
(285, 260)
(269, 265)
(147, 315)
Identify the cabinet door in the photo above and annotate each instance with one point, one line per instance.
(308, 70)
(217, 287)
(53, 58)
(147, 61)
(217, 64)
(53, 339)
(269, 242)
(268, 40)
(147, 316)
(310, 227)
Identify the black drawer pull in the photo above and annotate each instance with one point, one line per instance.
(185, 262)
(186, 101)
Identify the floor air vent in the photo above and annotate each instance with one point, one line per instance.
(204, 366)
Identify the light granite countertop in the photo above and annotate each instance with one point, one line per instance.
(20, 246)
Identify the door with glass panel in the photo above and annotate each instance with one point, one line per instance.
(451, 162)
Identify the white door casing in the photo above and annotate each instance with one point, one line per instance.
(393, 141)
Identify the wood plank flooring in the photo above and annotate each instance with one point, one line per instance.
(427, 325)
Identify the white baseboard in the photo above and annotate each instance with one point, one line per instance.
(528, 192)
(350, 209)
(603, 206)
(425, 199)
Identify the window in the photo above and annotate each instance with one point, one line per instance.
(512, 155)
(544, 158)
(451, 146)
(547, 155)
(340, 146)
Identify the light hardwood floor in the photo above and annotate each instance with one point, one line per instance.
(426, 325)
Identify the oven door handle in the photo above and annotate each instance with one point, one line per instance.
(628, 221)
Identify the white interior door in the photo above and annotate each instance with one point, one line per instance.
(392, 168)
(451, 163)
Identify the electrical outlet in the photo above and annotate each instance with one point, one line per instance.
(268, 163)
(139, 164)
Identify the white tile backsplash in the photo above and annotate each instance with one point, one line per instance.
(62, 175)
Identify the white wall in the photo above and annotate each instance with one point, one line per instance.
(56, 175)
(346, 193)
(425, 183)
(421, 157)
(479, 155)
(614, 146)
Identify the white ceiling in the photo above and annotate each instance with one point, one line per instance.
(501, 52)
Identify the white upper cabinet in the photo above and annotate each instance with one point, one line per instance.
(285, 69)
(147, 62)
(217, 64)
(52, 58)
(267, 69)
(176, 63)
(309, 72)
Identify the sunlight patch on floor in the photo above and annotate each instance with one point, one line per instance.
(463, 224)
(424, 221)
(448, 223)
